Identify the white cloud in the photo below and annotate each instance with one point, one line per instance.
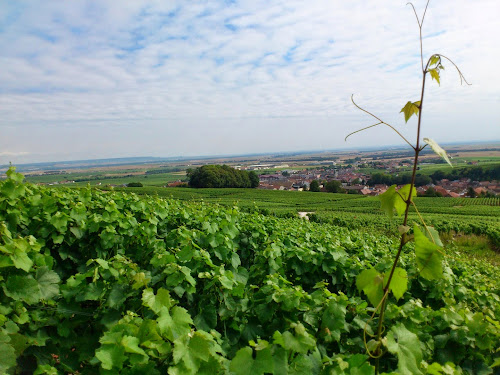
(178, 69)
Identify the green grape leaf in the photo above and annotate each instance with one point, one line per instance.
(21, 260)
(406, 346)
(433, 236)
(428, 256)
(117, 296)
(47, 283)
(404, 192)
(24, 288)
(156, 303)
(303, 365)
(7, 354)
(201, 346)
(12, 190)
(244, 363)
(395, 200)
(410, 109)
(437, 149)
(175, 323)
(435, 75)
(333, 321)
(111, 356)
(131, 345)
(387, 200)
(301, 342)
(196, 353)
(359, 365)
(496, 363)
(60, 221)
(399, 282)
(13, 175)
(371, 283)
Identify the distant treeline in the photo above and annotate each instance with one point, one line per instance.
(474, 173)
(221, 176)
(165, 170)
(402, 179)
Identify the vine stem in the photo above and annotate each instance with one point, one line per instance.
(407, 209)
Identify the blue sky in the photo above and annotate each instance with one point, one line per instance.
(88, 79)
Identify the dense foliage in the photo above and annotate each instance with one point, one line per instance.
(398, 179)
(474, 173)
(221, 176)
(479, 216)
(114, 283)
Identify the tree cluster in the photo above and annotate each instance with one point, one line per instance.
(402, 179)
(221, 176)
(334, 186)
(135, 184)
(474, 173)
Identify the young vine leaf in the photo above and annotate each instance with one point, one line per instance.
(399, 282)
(435, 75)
(246, 363)
(433, 235)
(428, 256)
(434, 60)
(410, 109)
(406, 346)
(438, 150)
(371, 283)
(395, 200)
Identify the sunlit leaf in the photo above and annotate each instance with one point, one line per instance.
(404, 193)
(435, 75)
(399, 282)
(433, 235)
(410, 109)
(434, 60)
(395, 200)
(371, 283)
(437, 149)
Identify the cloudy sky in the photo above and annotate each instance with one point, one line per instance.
(100, 79)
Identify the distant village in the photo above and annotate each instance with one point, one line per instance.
(354, 182)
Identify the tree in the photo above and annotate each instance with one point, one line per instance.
(254, 179)
(431, 192)
(314, 186)
(334, 186)
(221, 176)
(470, 192)
(134, 184)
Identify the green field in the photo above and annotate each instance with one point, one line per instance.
(95, 178)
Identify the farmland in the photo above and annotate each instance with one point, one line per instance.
(480, 216)
(113, 282)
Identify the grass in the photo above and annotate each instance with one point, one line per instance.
(470, 245)
(106, 178)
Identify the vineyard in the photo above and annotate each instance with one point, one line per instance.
(479, 216)
(110, 282)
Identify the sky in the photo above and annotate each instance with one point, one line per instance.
(104, 79)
